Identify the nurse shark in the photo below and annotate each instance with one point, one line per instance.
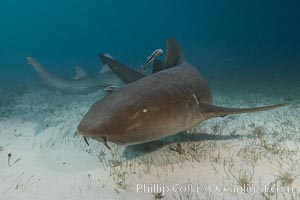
(83, 82)
(170, 101)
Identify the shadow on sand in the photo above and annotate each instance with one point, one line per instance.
(135, 151)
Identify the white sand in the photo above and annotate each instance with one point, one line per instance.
(48, 162)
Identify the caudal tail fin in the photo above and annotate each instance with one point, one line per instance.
(34, 62)
(218, 111)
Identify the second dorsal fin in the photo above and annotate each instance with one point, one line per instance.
(80, 73)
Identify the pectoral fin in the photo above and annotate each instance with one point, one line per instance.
(126, 74)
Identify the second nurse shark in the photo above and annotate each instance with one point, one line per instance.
(84, 82)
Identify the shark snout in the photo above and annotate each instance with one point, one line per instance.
(80, 132)
(89, 134)
(84, 129)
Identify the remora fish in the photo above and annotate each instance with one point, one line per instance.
(162, 104)
(150, 59)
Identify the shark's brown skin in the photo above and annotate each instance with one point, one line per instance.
(159, 105)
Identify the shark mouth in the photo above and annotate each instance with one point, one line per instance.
(103, 139)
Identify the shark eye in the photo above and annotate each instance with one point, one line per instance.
(145, 110)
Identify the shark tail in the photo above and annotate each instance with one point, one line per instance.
(34, 62)
(218, 111)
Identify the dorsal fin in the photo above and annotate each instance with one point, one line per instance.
(157, 66)
(217, 111)
(125, 73)
(105, 68)
(174, 54)
(80, 73)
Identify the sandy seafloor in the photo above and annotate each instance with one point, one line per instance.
(219, 159)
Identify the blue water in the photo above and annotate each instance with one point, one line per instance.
(218, 36)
